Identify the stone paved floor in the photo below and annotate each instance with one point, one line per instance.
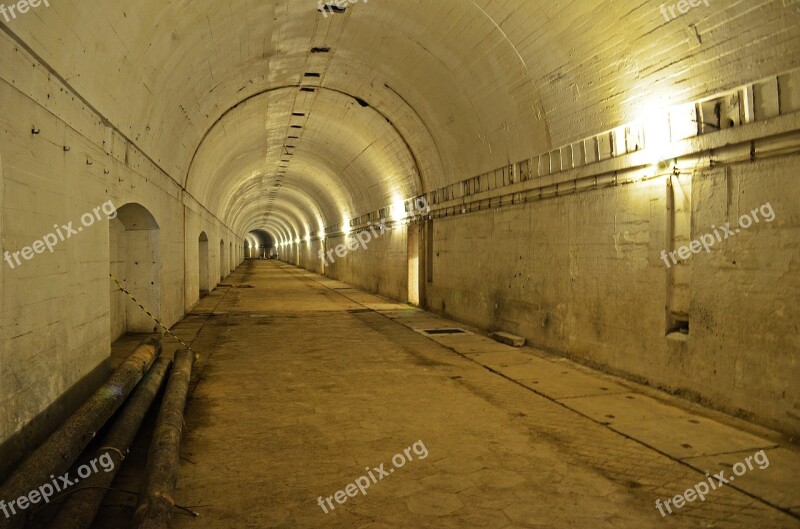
(311, 382)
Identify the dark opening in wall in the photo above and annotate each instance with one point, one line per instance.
(361, 102)
(307, 89)
(320, 49)
(679, 325)
(299, 114)
(332, 8)
(312, 74)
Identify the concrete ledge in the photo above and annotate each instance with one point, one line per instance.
(14, 449)
(508, 339)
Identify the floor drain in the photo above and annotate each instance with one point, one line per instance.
(359, 311)
(443, 331)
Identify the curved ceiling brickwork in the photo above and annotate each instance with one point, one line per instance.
(408, 95)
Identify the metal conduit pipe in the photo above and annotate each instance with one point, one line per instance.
(80, 508)
(56, 455)
(156, 504)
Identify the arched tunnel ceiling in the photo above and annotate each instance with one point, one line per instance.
(454, 87)
(321, 151)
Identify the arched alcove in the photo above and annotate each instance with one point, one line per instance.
(223, 273)
(203, 257)
(134, 261)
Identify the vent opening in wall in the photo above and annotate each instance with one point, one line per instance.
(332, 8)
(307, 89)
(320, 49)
(680, 326)
(312, 74)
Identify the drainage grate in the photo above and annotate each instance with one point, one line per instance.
(444, 331)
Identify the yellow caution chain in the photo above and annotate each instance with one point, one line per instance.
(122, 288)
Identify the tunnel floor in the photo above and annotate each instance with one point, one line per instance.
(307, 385)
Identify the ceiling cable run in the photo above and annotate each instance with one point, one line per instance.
(300, 112)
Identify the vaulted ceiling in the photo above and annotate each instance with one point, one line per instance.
(277, 116)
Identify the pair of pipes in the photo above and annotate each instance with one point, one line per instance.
(59, 452)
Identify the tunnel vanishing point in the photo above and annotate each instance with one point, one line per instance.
(440, 263)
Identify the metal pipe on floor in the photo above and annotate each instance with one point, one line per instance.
(156, 504)
(80, 508)
(56, 455)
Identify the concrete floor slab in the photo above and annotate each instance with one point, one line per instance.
(691, 436)
(560, 382)
(622, 408)
(296, 409)
(504, 358)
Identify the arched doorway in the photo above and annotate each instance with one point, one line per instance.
(222, 272)
(134, 261)
(204, 277)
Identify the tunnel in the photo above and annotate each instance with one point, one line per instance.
(399, 263)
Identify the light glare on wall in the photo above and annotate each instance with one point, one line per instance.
(655, 124)
(398, 210)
